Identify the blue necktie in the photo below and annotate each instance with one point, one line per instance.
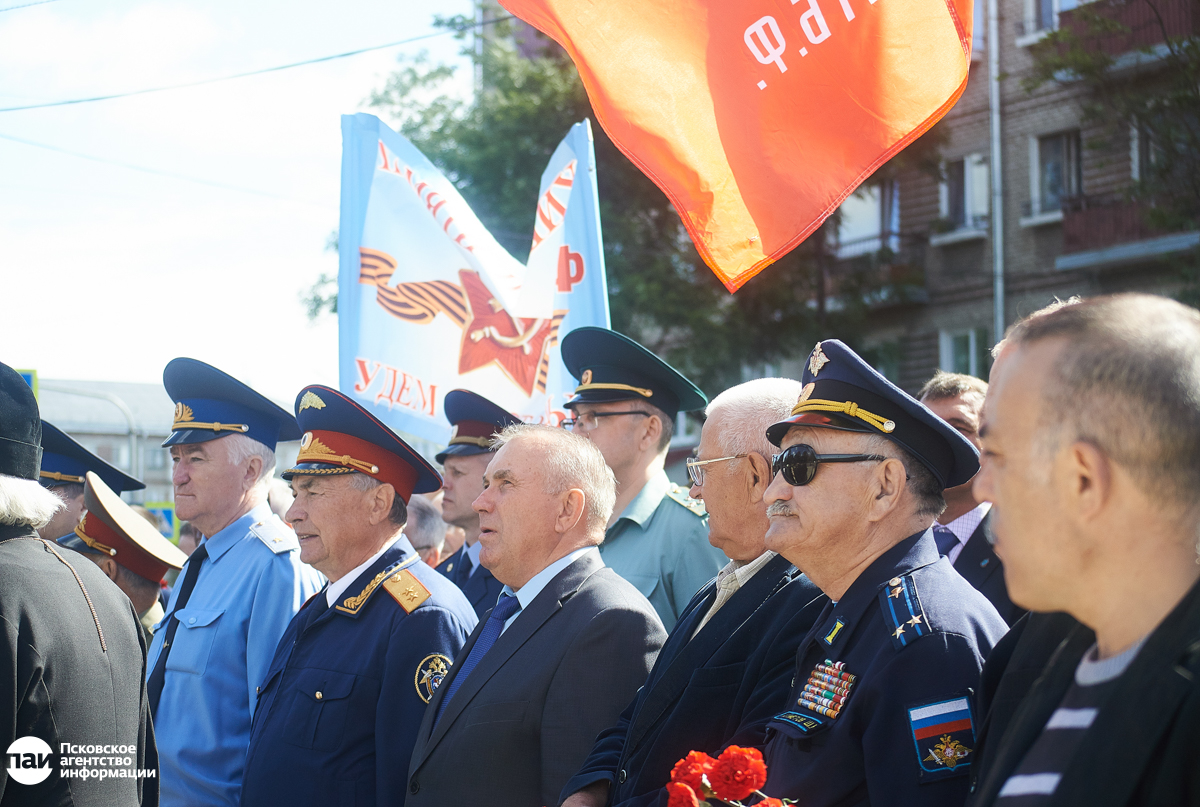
(506, 607)
(945, 539)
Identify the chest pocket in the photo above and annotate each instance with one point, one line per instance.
(320, 707)
(193, 640)
(644, 583)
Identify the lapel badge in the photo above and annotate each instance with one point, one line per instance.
(817, 360)
(432, 670)
(827, 688)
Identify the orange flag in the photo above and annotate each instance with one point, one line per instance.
(759, 117)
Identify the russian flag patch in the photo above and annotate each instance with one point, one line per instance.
(944, 735)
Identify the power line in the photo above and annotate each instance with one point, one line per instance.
(408, 41)
(27, 5)
(157, 172)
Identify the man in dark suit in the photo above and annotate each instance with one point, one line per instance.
(475, 421)
(727, 665)
(1091, 442)
(564, 650)
(961, 532)
(74, 658)
(346, 691)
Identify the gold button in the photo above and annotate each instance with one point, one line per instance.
(319, 695)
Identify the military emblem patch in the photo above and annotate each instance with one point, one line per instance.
(806, 723)
(432, 670)
(944, 736)
(833, 634)
(827, 688)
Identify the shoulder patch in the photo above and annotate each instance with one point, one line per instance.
(680, 496)
(944, 736)
(275, 534)
(902, 611)
(407, 590)
(432, 670)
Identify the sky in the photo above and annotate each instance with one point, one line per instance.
(107, 273)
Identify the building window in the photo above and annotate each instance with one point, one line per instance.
(966, 352)
(154, 458)
(964, 194)
(1041, 16)
(1055, 174)
(870, 220)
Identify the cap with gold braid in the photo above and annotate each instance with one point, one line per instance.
(65, 461)
(341, 437)
(613, 367)
(841, 391)
(210, 404)
(475, 420)
(111, 528)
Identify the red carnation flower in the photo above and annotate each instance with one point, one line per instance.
(680, 795)
(770, 803)
(738, 772)
(691, 769)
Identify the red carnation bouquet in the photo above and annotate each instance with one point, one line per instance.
(736, 774)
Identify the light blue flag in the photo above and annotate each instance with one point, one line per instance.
(428, 301)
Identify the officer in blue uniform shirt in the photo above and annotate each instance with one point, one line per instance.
(236, 594)
(475, 421)
(880, 710)
(626, 403)
(64, 465)
(339, 709)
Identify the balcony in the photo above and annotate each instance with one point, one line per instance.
(1142, 24)
(1110, 231)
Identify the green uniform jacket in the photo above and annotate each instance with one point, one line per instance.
(660, 545)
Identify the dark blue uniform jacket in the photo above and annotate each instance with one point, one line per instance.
(481, 588)
(339, 710)
(881, 710)
(707, 692)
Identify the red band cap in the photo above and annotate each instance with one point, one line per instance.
(342, 450)
(103, 538)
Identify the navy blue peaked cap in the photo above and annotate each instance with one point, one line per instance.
(210, 404)
(342, 437)
(20, 427)
(841, 391)
(65, 461)
(613, 367)
(475, 420)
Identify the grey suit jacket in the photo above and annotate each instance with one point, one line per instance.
(525, 719)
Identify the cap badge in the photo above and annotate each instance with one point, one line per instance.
(183, 413)
(817, 360)
(311, 401)
(587, 377)
(807, 392)
(306, 440)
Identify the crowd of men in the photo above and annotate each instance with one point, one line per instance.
(984, 595)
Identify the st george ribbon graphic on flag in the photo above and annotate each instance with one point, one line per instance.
(429, 302)
(759, 117)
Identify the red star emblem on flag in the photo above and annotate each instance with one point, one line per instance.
(493, 335)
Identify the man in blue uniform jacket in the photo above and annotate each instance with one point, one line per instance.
(880, 707)
(727, 665)
(339, 708)
(475, 421)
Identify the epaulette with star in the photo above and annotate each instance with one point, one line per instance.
(902, 611)
(680, 496)
(275, 534)
(397, 581)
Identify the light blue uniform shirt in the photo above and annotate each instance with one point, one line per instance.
(249, 588)
(660, 545)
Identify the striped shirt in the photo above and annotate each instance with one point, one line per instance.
(1034, 781)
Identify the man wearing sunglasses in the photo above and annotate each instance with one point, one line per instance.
(880, 707)
(626, 404)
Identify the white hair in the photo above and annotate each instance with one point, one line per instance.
(747, 410)
(242, 448)
(25, 502)
(571, 461)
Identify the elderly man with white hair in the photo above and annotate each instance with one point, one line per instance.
(727, 665)
(566, 646)
(238, 591)
(73, 658)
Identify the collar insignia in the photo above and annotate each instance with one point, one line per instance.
(817, 360)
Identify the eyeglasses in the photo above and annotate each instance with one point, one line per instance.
(586, 421)
(798, 463)
(695, 467)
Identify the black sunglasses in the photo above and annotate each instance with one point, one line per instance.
(798, 463)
